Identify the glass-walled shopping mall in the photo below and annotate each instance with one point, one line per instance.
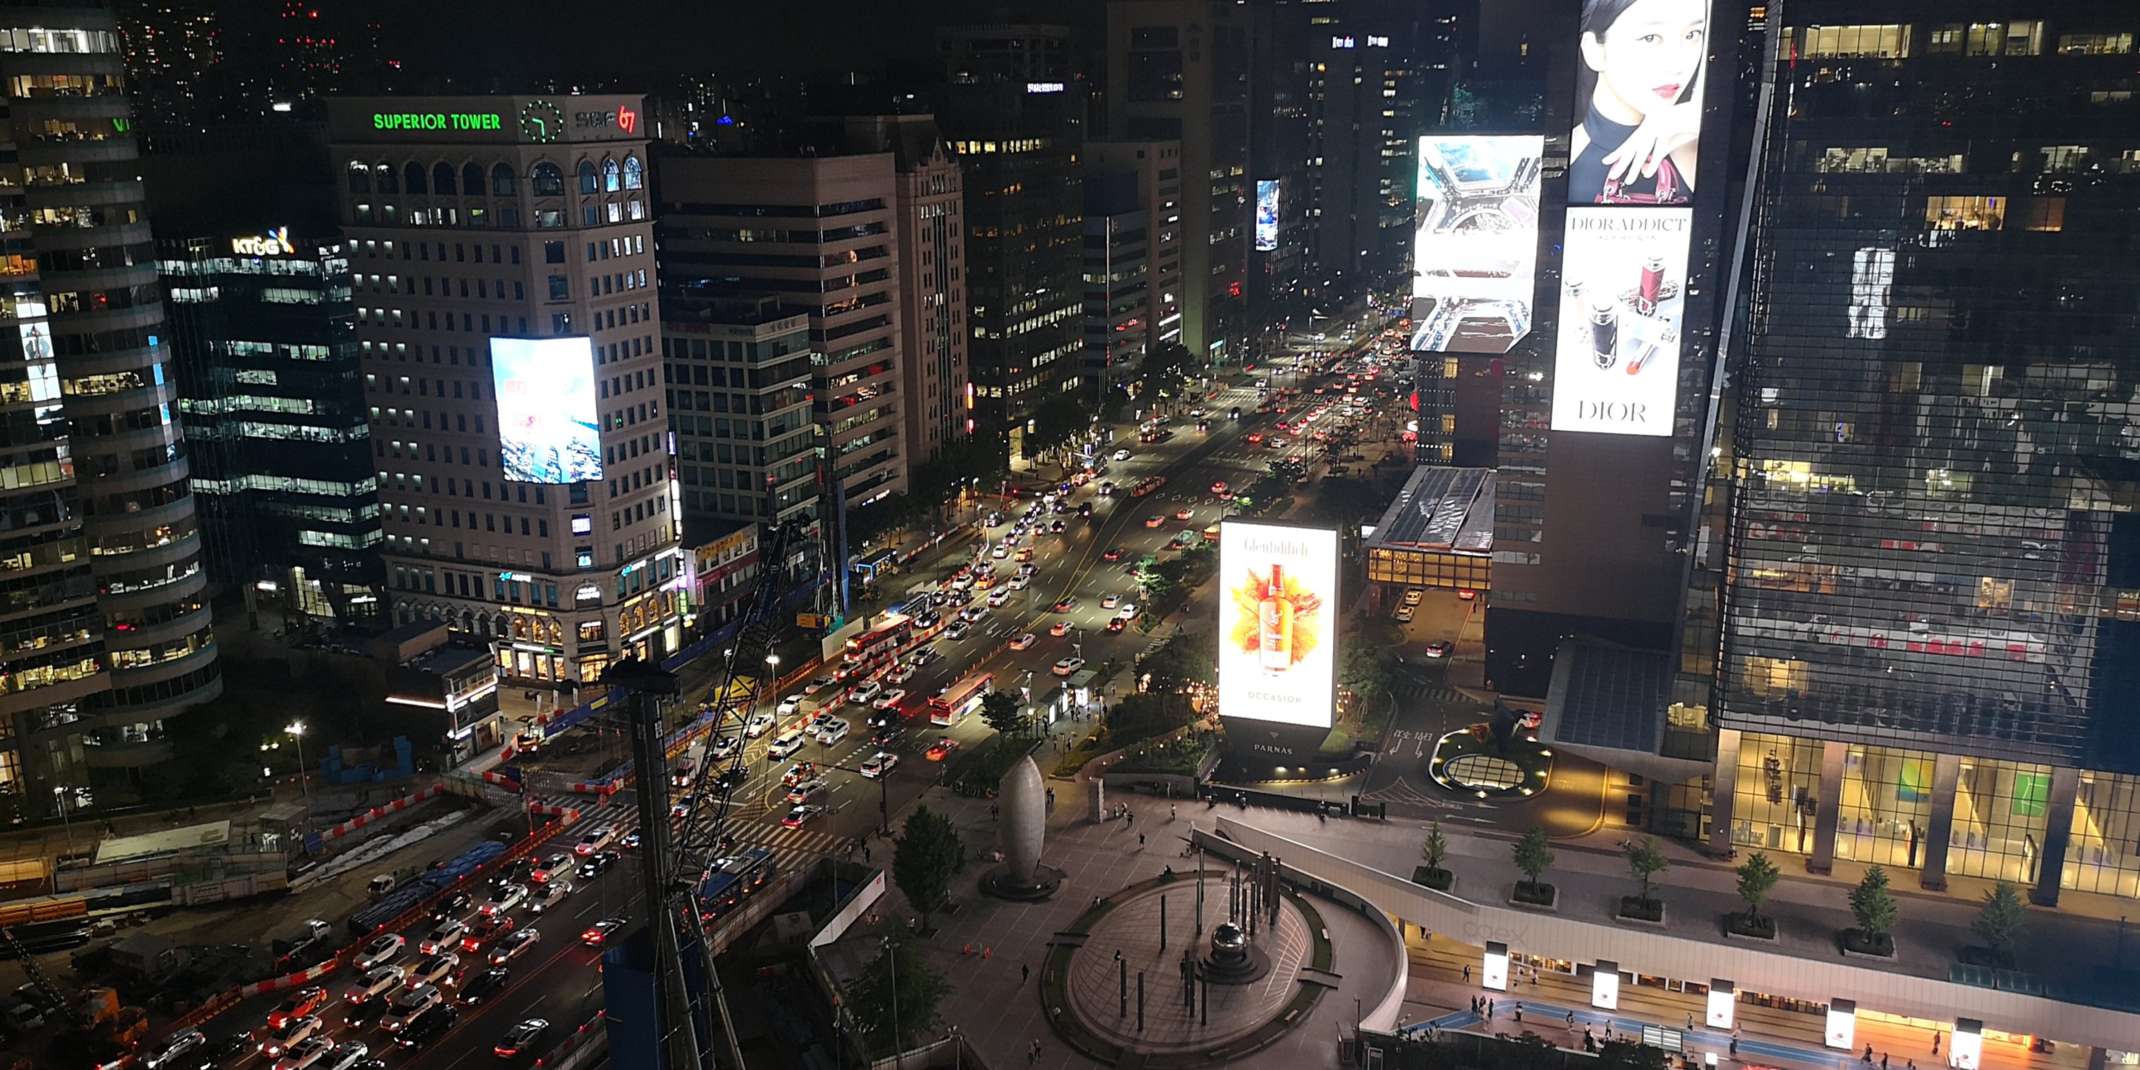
(1939, 814)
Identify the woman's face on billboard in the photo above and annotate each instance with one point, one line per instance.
(1649, 55)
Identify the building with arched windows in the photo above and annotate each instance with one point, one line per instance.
(501, 257)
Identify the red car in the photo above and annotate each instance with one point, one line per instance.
(1256, 437)
(301, 1002)
(942, 749)
(1116, 624)
(1114, 553)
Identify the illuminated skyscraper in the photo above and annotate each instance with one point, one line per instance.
(172, 48)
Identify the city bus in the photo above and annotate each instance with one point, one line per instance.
(877, 646)
(952, 704)
(732, 879)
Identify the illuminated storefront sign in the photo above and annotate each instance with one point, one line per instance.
(276, 242)
(437, 120)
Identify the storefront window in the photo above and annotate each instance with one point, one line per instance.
(2000, 810)
(1886, 806)
(1777, 794)
(2104, 853)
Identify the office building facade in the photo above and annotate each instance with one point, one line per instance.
(263, 335)
(1157, 170)
(1178, 70)
(502, 259)
(1934, 570)
(1117, 272)
(821, 234)
(739, 373)
(106, 613)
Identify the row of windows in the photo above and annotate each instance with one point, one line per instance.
(545, 179)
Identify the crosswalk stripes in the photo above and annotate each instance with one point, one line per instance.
(1421, 691)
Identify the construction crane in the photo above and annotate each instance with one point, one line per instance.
(673, 868)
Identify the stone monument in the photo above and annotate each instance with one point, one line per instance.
(1021, 827)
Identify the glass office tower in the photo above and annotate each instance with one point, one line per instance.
(1930, 617)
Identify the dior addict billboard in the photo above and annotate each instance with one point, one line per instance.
(1623, 295)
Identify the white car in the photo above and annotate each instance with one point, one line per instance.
(292, 1033)
(1412, 597)
(760, 723)
(789, 706)
(434, 970)
(304, 1053)
(596, 838)
(383, 949)
(509, 896)
(1021, 581)
(973, 614)
(1111, 601)
(377, 981)
(1121, 455)
(957, 630)
(833, 732)
(1067, 666)
(890, 700)
(1024, 641)
(879, 764)
(999, 552)
(786, 743)
(1129, 611)
(900, 675)
(818, 684)
(345, 1057)
(866, 694)
(552, 893)
(806, 790)
(999, 596)
(727, 746)
(442, 936)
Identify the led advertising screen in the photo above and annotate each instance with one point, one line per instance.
(1278, 623)
(1623, 294)
(547, 428)
(1639, 102)
(1474, 242)
(1266, 214)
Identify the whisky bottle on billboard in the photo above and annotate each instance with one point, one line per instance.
(1274, 624)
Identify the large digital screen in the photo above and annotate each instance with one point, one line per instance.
(1475, 242)
(548, 431)
(1638, 102)
(1623, 295)
(1278, 621)
(1266, 214)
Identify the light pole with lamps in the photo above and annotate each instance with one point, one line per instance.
(59, 798)
(304, 787)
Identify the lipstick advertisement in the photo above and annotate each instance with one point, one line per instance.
(1278, 623)
(1639, 95)
(1623, 297)
(1475, 242)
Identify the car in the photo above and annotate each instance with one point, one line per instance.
(304, 1054)
(800, 815)
(1121, 455)
(443, 935)
(1024, 640)
(786, 743)
(1107, 489)
(759, 724)
(999, 551)
(727, 746)
(900, 675)
(520, 1039)
(1440, 648)
(302, 1002)
(511, 947)
(1404, 614)
(1067, 666)
(887, 737)
(798, 773)
(1219, 488)
(941, 749)
(879, 764)
(289, 1033)
(553, 864)
(865, 694)
(1256, 437)
(593, 840)
(1066, 603)
(598, 865)
(1115, 625)
(1060, 628)
(957, 630)
(427, 1026)
(789, 706)
(728, 777)
(482, 986)
(890, 700)
(1129, 611)
(510, 896)
(804, 790)
(437, 969)
(1184, 513)
(832, 732)
(453, 906)
(997, 598)
(1055, 527)
(819, 683)
(494, 926)
(551, 894)
(383, 949)
(973, 614)
(1466, 596)
(377, 981)
(1020, 582)
(600, 931)
(1110, 601)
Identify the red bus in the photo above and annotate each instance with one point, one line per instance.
(876, 646)
(952, 704)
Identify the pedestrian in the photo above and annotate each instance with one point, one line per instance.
(865, 852)
(1140, 841)
(1025, 973)
(1467, 973)
(1489, 1008)
(1519, 1010)
(1571, 1021)
(1118, 954)
(1690, 1022)
(1474, 1005)
(1883, 1061)
(1172, 811)
(1935, 1041)
(1735, 1047)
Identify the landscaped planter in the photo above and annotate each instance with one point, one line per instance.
(1641, 912)
(1539, 897)
(1441, 880)
(1856, 947)
(1736, 927)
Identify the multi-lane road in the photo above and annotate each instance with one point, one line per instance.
(557, 979)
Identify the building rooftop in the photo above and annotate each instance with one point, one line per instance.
(446, 658)
(1441, 509)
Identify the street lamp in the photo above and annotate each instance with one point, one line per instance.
(59, 797)
(297, 733)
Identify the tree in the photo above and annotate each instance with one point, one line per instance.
(1003, 712)
(1436, 848)
(895, 997)
(928, 856)
(2001, 920)
(1532, 855)
(1874, 907)
(1757, 878)
(1645, 861)
(1164, 368)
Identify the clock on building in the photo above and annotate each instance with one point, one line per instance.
(541, 121)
